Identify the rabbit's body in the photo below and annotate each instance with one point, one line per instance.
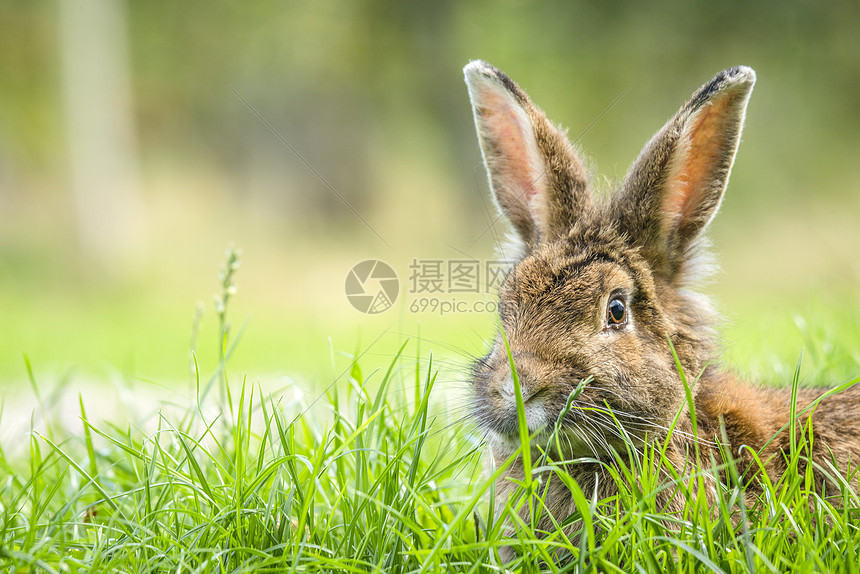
(759, 418)
(752, 417)
(604, 285)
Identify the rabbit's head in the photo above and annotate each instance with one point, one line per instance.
(602, 284)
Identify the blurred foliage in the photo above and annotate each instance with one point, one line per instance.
(370, 94)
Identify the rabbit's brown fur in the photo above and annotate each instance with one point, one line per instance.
(641, 246)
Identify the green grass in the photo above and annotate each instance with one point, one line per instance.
(376, 473)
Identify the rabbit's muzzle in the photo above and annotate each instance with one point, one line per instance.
(544, 395)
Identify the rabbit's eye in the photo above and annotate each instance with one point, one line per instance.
(616, 312)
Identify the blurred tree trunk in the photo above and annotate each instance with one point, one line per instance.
(100, 131)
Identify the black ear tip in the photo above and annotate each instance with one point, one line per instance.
(479, 68)
(738, 78)
(479, 72)
(740, 74)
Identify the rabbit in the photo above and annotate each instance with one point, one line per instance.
(604, 289)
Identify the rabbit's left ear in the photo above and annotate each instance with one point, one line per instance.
(676, 185)
(538, 181)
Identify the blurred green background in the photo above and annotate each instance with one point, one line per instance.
(134, 146)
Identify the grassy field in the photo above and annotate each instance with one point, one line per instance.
(380, 470)
(319, 439)
(146, 428)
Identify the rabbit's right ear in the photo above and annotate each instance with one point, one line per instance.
(537, 180)
(676, 185)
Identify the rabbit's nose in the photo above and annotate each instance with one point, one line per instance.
(506, 388)
(527, 388)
